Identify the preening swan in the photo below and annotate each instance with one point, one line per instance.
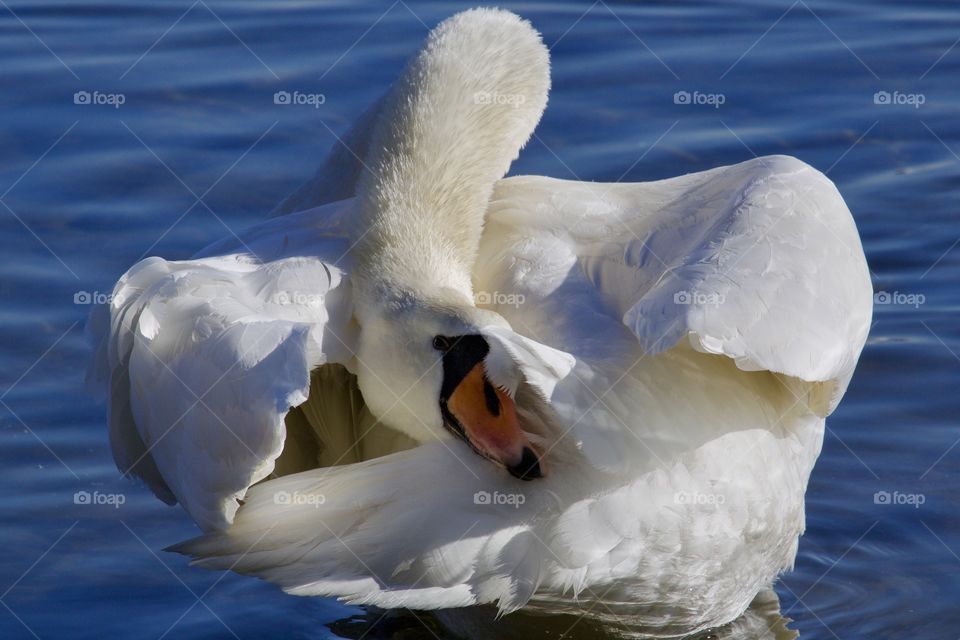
(422, 385)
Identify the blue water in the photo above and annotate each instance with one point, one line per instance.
(198, 147)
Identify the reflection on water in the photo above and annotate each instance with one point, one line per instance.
(762, 621)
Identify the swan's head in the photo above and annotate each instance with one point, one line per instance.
(430, 371)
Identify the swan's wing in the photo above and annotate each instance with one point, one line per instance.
(203, 358)
(368, 532)
(759, 261)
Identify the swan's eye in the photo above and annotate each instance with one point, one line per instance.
(441, 343)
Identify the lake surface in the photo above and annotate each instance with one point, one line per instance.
(177, 139)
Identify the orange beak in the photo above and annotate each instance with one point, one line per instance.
(486, 418)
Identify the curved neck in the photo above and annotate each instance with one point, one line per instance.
(449, 129)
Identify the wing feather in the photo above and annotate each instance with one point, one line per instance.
(205, 357)
(759, 261)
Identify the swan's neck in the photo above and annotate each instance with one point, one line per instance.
(449, 129)
(418, 243)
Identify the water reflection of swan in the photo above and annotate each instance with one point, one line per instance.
(761, 621)
(655, 359)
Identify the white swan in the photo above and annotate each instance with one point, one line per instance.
(656, 359)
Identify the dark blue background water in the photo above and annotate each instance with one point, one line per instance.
(199, 147)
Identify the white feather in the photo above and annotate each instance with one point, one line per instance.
(673, 347)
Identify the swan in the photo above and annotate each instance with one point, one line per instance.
(421, 384)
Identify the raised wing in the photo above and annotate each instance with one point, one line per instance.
(205, 357)
(759, 261)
